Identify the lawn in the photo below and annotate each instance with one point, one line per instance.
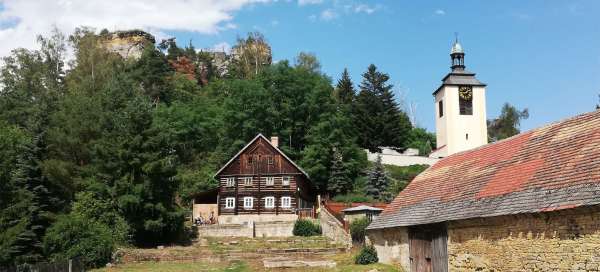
(218, 253)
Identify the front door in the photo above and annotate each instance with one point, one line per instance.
(428, 248)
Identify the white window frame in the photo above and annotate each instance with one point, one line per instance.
(248, 202)
(270, 181)
(248, 181)
(285, 199)
(229, 202)
(270, 199)
(230, 181)
(285, 181)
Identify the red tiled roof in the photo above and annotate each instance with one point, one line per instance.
(550, 168)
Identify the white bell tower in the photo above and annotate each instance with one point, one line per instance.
(460, 118)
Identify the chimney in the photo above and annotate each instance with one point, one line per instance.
(275, 141)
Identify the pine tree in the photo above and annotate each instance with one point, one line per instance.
(36, 196)
(345, 89)
(339, 180)
(377, 116)
(378, 182)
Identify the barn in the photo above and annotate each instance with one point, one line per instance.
(527, 203)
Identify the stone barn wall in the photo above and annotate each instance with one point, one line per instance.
(566, 240)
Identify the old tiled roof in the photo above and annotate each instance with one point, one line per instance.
(550, 168)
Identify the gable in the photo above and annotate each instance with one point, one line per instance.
(553, 167)
(260, 148)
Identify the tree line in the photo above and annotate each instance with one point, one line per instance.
(100, 151)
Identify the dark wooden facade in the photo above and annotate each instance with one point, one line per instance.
(258, 171)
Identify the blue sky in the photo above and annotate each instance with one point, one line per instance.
(542, 55)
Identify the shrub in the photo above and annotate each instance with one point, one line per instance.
(304, 227)
(357, 229)
(352, 198)
(72, 236)
(367, 255)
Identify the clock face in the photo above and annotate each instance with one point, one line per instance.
(465, 92)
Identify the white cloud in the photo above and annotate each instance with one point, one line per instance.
(365, 8)
(309, 2)
(440, 12)
(328, 15)
(22, 20)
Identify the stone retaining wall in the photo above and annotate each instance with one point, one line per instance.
(274, 229)
(250, 229)
(333, 229)
(226, 230)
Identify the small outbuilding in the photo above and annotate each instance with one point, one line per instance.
(527, 203)
(362, 211)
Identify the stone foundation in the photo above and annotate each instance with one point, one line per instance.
(333, 229)
(251, 229)
(249, 218)
(567, 240)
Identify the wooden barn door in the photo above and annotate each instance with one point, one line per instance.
(428, 248)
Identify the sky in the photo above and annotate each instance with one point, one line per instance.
(543, 55)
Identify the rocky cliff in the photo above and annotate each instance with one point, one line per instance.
(128, 44)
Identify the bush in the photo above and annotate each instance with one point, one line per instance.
(304, 227)
(367, 255)
(72, 236)
(352, 198)
(357, 229)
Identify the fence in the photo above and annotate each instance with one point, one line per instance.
(74, 265)
(308, 213)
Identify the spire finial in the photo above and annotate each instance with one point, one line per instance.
(456, 37)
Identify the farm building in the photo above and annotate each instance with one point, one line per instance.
(527, 203)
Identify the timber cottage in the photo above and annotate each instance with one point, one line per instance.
(260, 184)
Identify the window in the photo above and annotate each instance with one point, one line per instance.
(441, 108)
(248, 202)
(270, 160)
(249, 161)
(270, 181)
(230, 182)
(229, 202)
(286, 202)
(248, 181)
(270, 202)
(286, 181)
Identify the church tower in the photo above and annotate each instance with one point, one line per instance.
(460, 119)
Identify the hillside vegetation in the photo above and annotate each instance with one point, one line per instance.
(103, 151)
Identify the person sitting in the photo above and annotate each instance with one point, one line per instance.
(211, 218)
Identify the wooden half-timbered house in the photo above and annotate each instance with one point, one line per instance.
(261, 183)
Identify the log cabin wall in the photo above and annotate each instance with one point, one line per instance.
(259, 172)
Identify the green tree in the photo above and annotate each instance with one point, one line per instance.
(344, 90)
(36, 194)
(378, 182)
(377, 116)
(507, 124)
(309, 62)
(250, 56)
(339, 180)
(422, 140)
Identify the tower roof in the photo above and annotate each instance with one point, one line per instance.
(457, 48)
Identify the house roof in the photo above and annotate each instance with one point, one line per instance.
(268, 141)
(550, 168)
(361, 208)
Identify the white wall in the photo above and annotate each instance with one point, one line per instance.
(452, 128)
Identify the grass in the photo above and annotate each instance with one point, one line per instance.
(344, 261)
(235, 266)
